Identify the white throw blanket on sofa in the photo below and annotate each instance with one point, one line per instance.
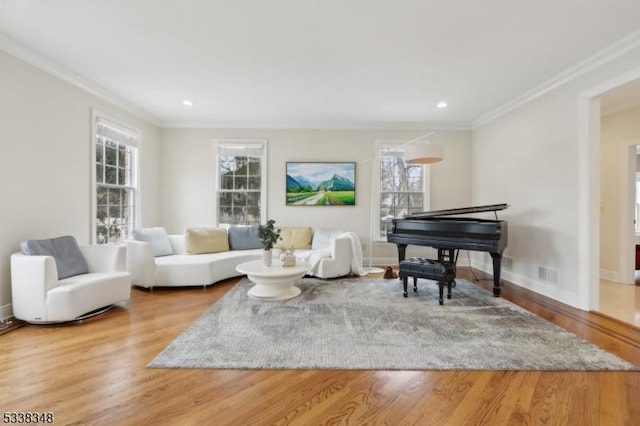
(314, 257)
(356, 254)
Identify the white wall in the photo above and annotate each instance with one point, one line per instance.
(187, 176)
(532, 158)
(45, 136)
(619, 132)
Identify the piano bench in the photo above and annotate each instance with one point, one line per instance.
(441, 271)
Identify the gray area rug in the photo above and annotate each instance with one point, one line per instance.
(367, 324)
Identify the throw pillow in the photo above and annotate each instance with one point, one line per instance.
(322, 238)
(297, 237)
(244, 237)
(206, 240)
(64, 250)
(157, 237)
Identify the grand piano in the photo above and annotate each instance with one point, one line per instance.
(448, 234)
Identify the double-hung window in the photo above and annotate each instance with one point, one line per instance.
(240, 182)
(402, 187)
(115, 190)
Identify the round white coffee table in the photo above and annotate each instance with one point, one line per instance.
(273, 282)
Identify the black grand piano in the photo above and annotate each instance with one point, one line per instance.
(448, 234)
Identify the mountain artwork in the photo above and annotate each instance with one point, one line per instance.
(321, 184)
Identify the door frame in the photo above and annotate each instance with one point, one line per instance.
(589, 118)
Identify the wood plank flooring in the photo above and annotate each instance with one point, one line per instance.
(620, 301)
(93, 373)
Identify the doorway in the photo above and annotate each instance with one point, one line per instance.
(618, 220)
(636, 216)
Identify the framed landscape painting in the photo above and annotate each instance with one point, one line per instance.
(321, 184)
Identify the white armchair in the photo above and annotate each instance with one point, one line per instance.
(40, 297)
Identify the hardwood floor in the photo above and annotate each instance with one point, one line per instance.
(620, 301)
(94, 373)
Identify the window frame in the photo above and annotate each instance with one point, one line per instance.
(376, 187)
(235, 143)
(135, 136)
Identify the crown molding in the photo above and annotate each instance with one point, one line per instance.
(622, 46)
(29, 56)
(327, 125)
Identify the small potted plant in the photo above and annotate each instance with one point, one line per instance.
(269, 236)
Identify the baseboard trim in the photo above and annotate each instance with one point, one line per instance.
(8, 324)
(610, 275)
(6, 311)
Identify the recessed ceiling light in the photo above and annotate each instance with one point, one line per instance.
(187, 102)
(442, 104)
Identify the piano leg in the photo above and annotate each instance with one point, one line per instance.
(402, 250)
(497, 264)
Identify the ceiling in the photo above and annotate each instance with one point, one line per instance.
(315, 63)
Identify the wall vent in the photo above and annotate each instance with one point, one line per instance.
(548, 274)
(542, 273)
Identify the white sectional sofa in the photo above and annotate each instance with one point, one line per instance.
(176, 264)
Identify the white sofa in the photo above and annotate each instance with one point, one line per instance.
(186, 269)
(39, 296)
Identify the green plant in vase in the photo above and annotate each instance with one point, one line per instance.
(269, 235)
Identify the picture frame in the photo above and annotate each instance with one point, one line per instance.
(320, 183)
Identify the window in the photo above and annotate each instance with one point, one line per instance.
(115, 156)
(402, 188)
(240, 197)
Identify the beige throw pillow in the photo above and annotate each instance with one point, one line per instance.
(206, 240)
(297, 237)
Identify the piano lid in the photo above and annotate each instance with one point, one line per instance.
(463, 210)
